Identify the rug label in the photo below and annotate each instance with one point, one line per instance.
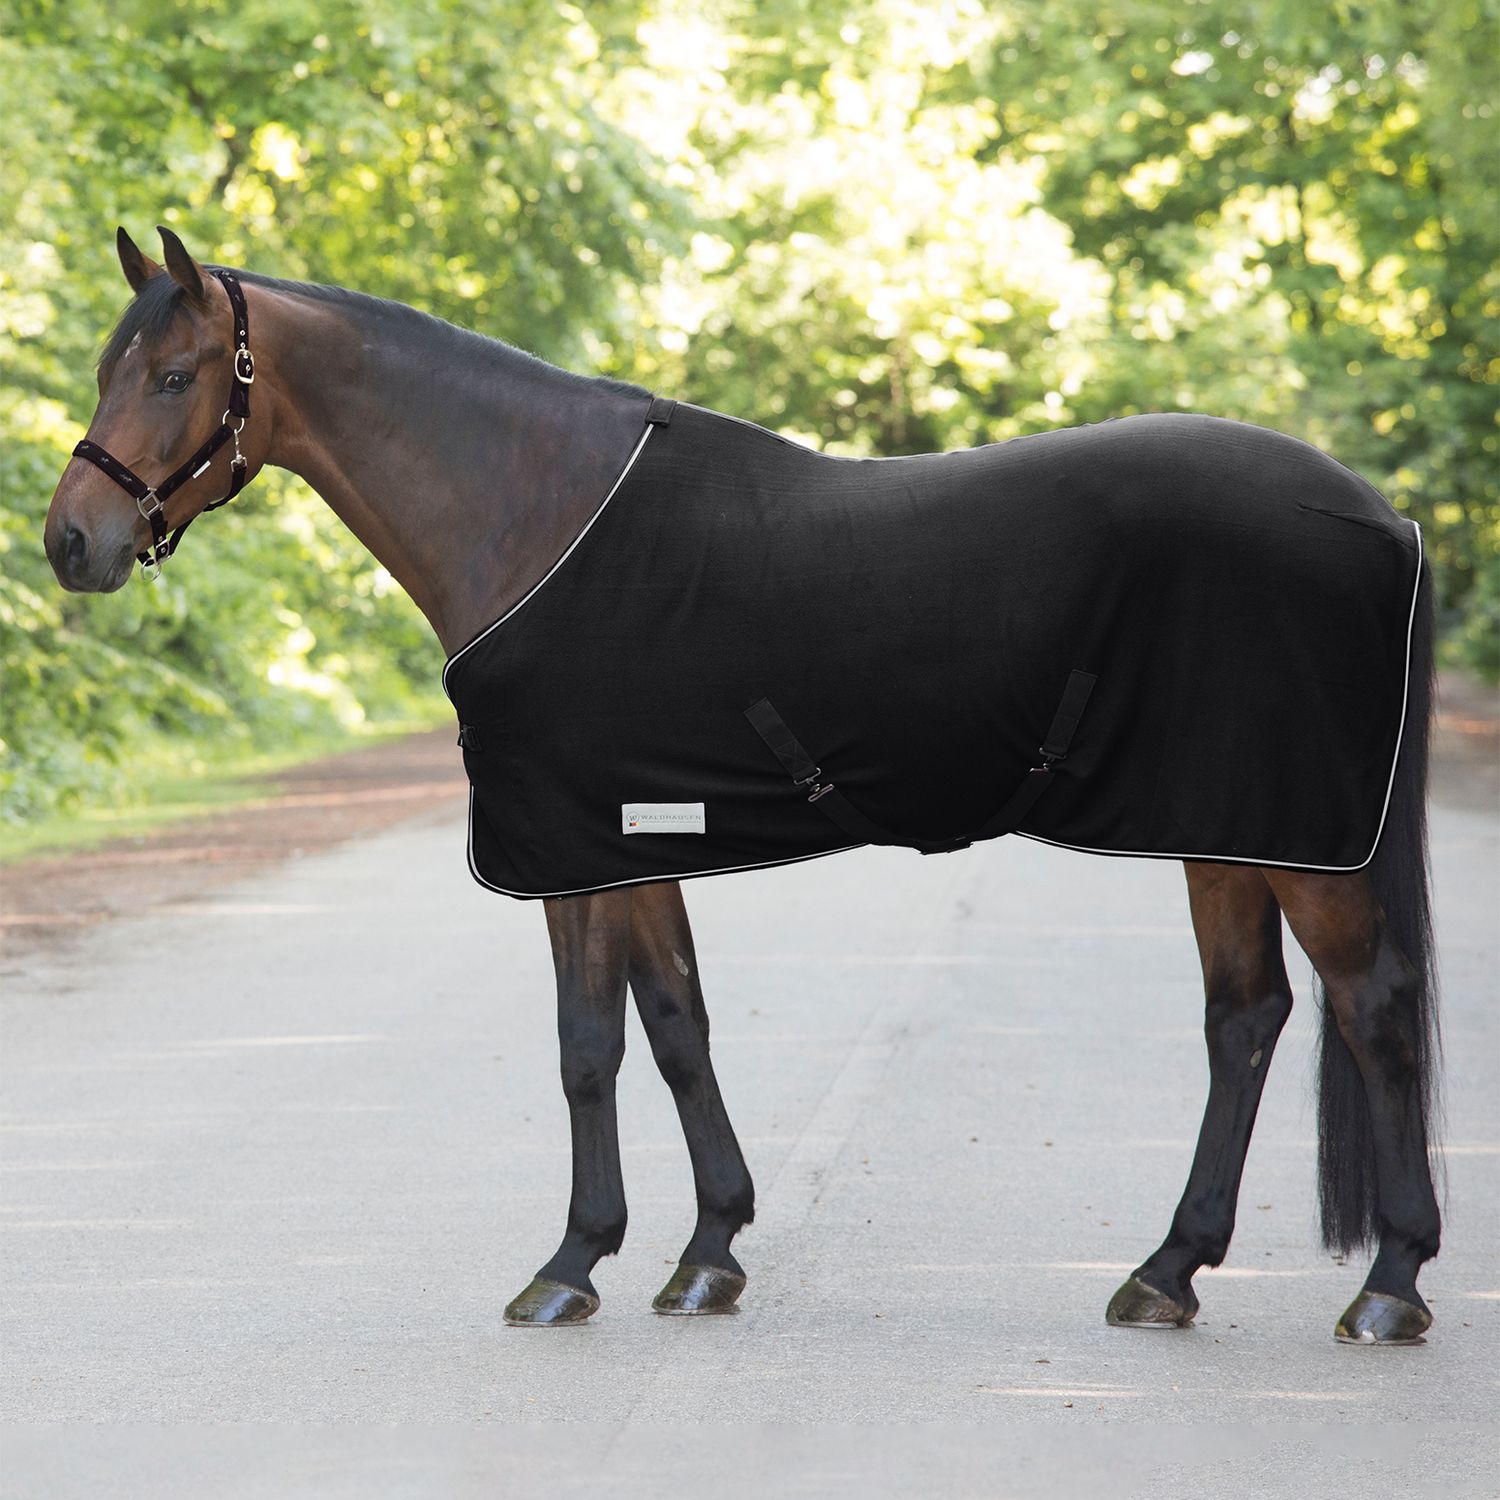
(662, 817)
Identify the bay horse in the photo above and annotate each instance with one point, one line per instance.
(470, 469)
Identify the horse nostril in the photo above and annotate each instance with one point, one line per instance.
(75, 547)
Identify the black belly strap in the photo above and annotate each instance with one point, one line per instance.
(805, 772)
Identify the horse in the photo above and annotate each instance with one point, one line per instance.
(472, 471)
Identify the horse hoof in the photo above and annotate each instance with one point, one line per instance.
(1137, 1305)
(550, 1304)
(1377, 1318)
(700, 1289)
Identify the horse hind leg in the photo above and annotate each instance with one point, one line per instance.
(1248, 999)
(1375, 1093)
(669, 997)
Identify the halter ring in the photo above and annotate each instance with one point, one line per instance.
(156, 505)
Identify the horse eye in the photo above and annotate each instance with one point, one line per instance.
(176, 381)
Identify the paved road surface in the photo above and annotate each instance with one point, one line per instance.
(280, 1155)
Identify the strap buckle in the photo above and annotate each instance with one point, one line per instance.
(152, 558)
(235, 429)
(811, 779)
(244, 366)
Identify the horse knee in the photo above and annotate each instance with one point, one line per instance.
(591, 1058)
(678, 1033)
(681, 1055)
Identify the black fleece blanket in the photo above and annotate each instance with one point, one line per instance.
(1243, 602)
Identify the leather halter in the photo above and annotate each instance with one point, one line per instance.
(150, 499)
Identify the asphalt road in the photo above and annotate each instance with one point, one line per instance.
(279, 1156)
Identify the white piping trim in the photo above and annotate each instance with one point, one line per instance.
(1217, 859)
(764, 864)
(525, 598)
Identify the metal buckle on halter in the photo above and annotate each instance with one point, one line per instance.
(158, 549)
(244, 366)
(235, 429)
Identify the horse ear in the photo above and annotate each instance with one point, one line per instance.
(139, 268)
(181, 266)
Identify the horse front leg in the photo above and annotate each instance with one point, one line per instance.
(669, 997)
(590, 952)
(1238, 926)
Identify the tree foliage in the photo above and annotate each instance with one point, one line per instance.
(881, 226)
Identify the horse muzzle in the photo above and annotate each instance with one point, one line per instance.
(88, 564)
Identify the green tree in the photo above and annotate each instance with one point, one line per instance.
(878, 226)
(1295, 207)
(448, 155)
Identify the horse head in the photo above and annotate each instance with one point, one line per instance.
(179, 346)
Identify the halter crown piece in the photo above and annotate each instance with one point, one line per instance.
(151, 499)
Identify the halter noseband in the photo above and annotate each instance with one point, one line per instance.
(150, 499)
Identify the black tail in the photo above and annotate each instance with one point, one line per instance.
(1346, 1155)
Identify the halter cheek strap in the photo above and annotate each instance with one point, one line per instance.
(151, 499)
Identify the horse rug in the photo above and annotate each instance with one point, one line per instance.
(755, 653)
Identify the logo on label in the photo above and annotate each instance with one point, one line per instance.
(662, 817)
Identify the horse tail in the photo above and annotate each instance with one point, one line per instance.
(1398, 875)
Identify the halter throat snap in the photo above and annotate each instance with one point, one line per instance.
(151, 499)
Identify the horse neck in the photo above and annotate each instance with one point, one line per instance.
(465, 467)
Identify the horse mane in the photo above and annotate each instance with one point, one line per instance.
(158, 304)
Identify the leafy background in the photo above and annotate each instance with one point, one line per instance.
(880, 227)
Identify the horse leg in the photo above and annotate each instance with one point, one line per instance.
(590, 953)
(669, 996)
(1238, 927)
(1375, 997)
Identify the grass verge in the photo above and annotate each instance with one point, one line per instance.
(186, 788)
